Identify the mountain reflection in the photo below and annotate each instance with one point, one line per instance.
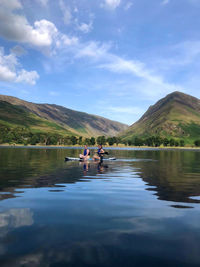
(172, 175)
(175, 176)
(57, 213)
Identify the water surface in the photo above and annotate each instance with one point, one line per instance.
(141, 210)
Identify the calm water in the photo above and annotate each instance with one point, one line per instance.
(141, 210)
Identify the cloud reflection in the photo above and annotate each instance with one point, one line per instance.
(16, 218)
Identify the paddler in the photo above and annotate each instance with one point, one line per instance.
(100, 152)
(86, 153)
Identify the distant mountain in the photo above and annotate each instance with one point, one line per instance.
(15, 112)
(176, 115)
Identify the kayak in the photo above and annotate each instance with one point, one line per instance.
(79, 159)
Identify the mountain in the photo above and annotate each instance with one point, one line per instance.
(176, 115)
(15, 112)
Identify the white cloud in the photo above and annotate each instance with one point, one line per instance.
(111, 4)
(11, 71)
(93, 50)
(128, 5)
(138, 69)
(29, 77)
(85, 28)
(13, 4)
(16, 28)
(147, 81)
(43, 33)
(67, 16)
(6, 74)
(64, 40)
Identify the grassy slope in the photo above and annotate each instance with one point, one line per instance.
(79, 123)
(172, 118)
(14, 116)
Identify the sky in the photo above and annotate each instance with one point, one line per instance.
(113, 58)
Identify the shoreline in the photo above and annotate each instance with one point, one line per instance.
(120, 147)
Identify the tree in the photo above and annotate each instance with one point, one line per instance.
(114, 139)
(34, 140)
(110, 141)
(43, 138)
(138, 141)
(101, 140)
(67, 140)
(149, 141)
(118, 140)
(130, 142)
(87, 141)
(182, 143)
(52, 140)
(176, 143)
(3, 133)
(157, 141)
(171, 142)
(165, 141)
(80, 140)
(197, 142)
(25, 142)
(92, 141)
(9, 138)
(73, 140)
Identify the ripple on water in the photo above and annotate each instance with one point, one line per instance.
(139, 211)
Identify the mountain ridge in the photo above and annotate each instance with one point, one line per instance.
(176, 115)
(76, 122)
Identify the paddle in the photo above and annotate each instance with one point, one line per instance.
(105, 153)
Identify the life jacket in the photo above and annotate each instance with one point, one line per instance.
(85, 152)
(98, 151)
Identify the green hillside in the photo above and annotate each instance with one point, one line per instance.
(175, 116)
(14, 116)
(45, 118)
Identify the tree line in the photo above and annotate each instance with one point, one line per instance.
(157, 141)
(20, 135)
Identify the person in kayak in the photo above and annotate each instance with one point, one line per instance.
(100, 153)
(86, 154)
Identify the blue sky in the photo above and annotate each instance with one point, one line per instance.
(113, 58)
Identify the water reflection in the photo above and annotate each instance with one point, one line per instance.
(86, 166)
(12, 219)
(138, 211)
(134, 242)
(172, 175)
(16, 218)
(175, 176)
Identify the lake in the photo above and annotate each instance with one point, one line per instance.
(141, 210)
